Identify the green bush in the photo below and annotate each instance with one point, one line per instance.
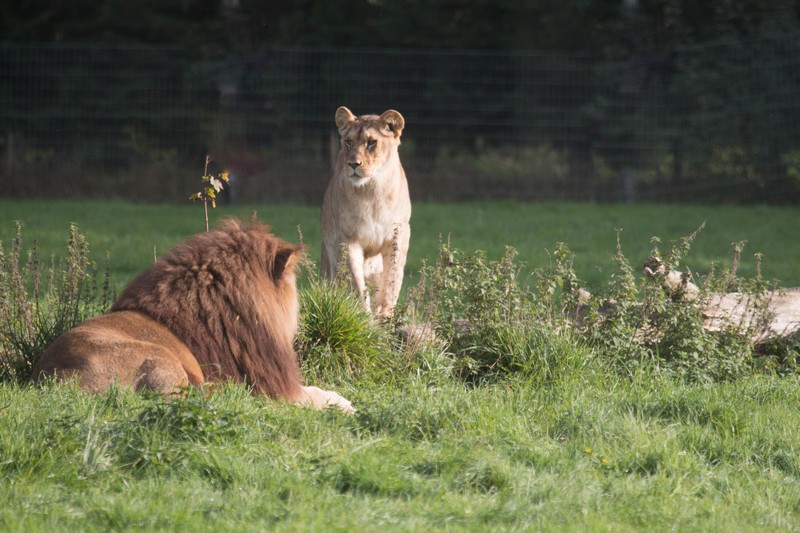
(494, 324)
(529, 172)
(38, 304)
(491, 322)
(636, 323)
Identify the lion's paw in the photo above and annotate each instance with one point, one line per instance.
(322, 399)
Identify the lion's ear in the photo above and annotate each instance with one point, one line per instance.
(394, 122)
(344, 117)
(285, 260)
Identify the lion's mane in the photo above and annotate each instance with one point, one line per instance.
(230, 296)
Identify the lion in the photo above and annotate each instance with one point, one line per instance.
(366, 209)
(220, 306)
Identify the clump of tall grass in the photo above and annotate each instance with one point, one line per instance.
(337, 337)
(39, 302)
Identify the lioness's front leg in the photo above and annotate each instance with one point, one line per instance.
(394, 262)
(355, 262)
(330, 262)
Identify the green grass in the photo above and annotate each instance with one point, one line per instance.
(578, 447)
(587, 454)
(131, 232)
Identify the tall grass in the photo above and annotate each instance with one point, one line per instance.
(337, 337)
(39, 303)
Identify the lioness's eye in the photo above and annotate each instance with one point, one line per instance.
(348, 143)
(371, 144)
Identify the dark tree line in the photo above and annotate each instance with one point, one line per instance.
(577, 99)
(614, 26)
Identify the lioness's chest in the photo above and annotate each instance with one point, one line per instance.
(370, 231)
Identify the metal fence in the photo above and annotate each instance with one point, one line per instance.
(710, 123)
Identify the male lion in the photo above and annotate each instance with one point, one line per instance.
(366, 209)
(221, 305)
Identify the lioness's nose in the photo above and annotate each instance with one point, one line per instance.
(354, 164)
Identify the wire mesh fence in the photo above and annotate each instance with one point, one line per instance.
(711, 123)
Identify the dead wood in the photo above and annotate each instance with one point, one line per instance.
(770, 316)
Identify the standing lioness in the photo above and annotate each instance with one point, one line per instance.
(366, 209)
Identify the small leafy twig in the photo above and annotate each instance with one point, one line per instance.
(212, 184)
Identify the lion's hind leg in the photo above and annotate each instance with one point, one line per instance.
(141, 366)
(160, 374)
(124, 348)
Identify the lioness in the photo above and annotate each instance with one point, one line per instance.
(366, 209)
(220, 306)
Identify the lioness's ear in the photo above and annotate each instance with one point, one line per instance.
(285, 260)
(344, 117)
(394, 121)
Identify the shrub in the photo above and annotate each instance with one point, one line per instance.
(642, 322)
(492, 323)
(531, 172)
(38, 305)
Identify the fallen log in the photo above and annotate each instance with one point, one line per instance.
(770, 316)
(774, 315)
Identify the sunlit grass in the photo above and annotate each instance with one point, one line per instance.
(133, 233)
(603, 454)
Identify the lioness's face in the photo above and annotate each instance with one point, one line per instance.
(367, 143)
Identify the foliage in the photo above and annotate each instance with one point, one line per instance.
(148, 21)
(525, 172)
(204, 26)
(493, 324)
(663, 326)
(212, 185)
(38, 304)
(490, 322)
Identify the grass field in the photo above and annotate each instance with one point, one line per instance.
(131, 233)
(589, 449)
(586, 454)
